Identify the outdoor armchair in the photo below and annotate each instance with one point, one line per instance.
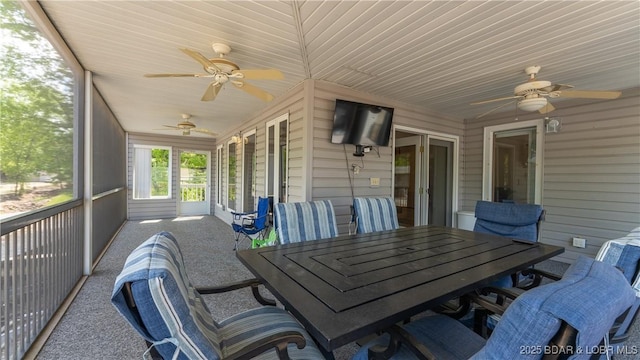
(570, 316)
(517, 221)
(154, 294)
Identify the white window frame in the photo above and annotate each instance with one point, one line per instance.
(487, 158)
(245, 140)
(169, 170)
(230, 142)
(276, 157)
(219, 174)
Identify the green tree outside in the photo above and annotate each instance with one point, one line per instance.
(36, 116)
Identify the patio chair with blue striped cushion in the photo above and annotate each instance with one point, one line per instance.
(375, 214)
(302, 221)
(155, 295)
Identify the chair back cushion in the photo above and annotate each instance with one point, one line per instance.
(518, 221)
(375, 214)
(624, 253)
(170, 312)
(302, 221)
(589, 297)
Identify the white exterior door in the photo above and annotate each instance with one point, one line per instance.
(194, 183)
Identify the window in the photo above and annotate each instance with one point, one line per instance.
(276, 161)
(513, 163)
(151, 172)
(249, 171)
(40, 102)
(231, 175)
(219, 172)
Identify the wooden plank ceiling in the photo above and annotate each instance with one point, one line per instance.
(441, 55)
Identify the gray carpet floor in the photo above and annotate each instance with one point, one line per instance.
(93, 329)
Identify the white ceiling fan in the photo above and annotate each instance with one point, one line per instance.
(222, 71)
(534, 95)
(187, 127)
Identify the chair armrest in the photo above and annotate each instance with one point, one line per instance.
(279, 341)
(497, 306)
(538, 275)
(400, 336)
(253, 283)
(240, 215)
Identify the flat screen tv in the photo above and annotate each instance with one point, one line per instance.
(361, 124)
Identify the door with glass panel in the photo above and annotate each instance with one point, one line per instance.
(276, 159)
(194, 183)
(424, 178)
(512, 163)
(440, 167)
(249, 171)
(407, 175)
(231, 175)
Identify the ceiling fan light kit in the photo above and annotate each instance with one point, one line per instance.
(532, 104)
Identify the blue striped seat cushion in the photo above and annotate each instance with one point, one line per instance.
(302, 221)
(172, 312)
(175, 319)
(248, 327)
(375, 214)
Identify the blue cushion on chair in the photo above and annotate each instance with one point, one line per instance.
(612, 251)
(375, 214)
(518, 221)
(172, 315)
(302, 221)
(589, 297)
(629, 261)
(173, 312)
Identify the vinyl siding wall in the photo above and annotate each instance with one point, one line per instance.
(317, 169)
(292, 104)
(591, 183)
(331, 163)
(165, 208)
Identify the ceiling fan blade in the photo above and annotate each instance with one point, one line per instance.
(206, 63)
(590, 94)
(498, 99)
(266, 74)
(212, 91)
(494, 109)
(253, 90)
(556, 87)
(171, 127)
(171, 75)
(547, 108)
(204, 131)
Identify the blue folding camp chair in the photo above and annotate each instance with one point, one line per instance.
(251, 225)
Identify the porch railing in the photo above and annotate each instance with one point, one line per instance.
(192, 192)
(40, 263)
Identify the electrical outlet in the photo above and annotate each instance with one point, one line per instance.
(579, 242)
(374, 181)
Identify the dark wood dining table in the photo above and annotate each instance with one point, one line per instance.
(351, 286)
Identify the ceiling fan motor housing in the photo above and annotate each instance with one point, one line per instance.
(530, 87)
